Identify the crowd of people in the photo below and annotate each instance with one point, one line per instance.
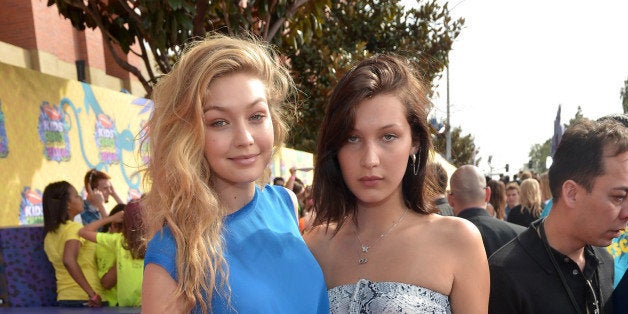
(98, 260)
(380, 229)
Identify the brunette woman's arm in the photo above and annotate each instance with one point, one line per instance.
(470, 289)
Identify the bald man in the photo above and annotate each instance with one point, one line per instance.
(468, 197)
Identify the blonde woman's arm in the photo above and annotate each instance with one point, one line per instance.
(159, 292)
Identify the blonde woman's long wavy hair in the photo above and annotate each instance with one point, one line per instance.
(181, 195)
(530, 196)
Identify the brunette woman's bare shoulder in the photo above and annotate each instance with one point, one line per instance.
(450, 221)
(451, 227)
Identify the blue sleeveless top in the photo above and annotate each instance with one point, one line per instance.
(271, 270)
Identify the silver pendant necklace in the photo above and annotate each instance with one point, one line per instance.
(364, 248)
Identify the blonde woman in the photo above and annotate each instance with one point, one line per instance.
(546, 193)
(529, 208)
(223, 244)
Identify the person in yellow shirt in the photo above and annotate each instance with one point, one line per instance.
(106, 261)
(72, 257)
(129, 247)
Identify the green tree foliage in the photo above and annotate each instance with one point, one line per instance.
(463, 149)
(165, 27)
(320, 38)
(577, 117)
(538, 155)
(354, 30)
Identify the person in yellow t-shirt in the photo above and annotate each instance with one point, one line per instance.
(106, 261)
(129, 249)
(72, 257)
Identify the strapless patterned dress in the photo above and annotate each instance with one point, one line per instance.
(386, 297)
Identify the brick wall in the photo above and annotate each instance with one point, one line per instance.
(112, 67)
(54, 34)
(55, 46)
(95, 49)
(16, 24)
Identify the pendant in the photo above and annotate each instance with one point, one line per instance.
(363, 260)
(365, 248)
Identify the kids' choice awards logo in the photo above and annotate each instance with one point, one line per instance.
(105, 135)
(53, 132)
(4, 141)
(31, 209)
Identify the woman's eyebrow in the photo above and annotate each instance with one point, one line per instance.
(225, 108)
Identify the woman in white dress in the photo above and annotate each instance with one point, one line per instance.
(379, 245)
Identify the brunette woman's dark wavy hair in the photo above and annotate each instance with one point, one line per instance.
(384, 74)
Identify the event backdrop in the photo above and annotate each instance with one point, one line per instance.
(55, 129)
(288, 158)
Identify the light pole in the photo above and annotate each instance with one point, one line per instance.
(448, 127)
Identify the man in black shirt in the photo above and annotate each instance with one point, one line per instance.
(469, 195)
(559, 264)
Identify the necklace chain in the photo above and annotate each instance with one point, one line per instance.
(364, 248)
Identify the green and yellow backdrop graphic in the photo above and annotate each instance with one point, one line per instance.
(53, 129)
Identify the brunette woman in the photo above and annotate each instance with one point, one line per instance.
(380, 248)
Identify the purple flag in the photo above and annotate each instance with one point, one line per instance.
(558, 133)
